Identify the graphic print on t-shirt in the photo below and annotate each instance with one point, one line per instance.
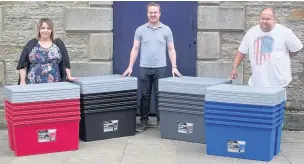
(263, 47)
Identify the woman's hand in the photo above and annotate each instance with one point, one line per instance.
(22, 83)
(72, 78)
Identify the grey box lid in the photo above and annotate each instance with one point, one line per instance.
(245, 89)
(41, 87)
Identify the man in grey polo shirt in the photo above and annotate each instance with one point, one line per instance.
(152, 38)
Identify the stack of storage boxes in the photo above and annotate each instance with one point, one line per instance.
(243, 121)
(42, 118)
(108, 107)
(181, 107)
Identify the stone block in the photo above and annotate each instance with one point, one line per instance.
(101, 46)
(297, 66)
(208, 2)
(16, 37)
(82, 69)
(16, 12)
(296, 98)
(209, 69)
(228, 52)
(208, 45)
(46, 11)
(17, 24)
(297, 13)
(231, 38)
(12, 74)
(263, 3)
(294, 121)
(57, 23)
(1, 19)
(218, 69)
(3, 123)
(45, 4)
(282, 12)
(78, 53)
(2, 75)
(101, 3)
(228, 18)
(74, 39)
(89, 19)
(1, 98)
(10, 52)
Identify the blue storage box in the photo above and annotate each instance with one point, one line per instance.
(249, 113)
(241, 140)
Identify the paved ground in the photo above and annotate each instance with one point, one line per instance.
(149, 148)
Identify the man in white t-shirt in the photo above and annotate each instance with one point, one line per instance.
(269, 47)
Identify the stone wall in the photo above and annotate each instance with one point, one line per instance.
(86, 27)
(221, 27)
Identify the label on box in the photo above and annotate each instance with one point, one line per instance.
(184, 127)
(48, 135)
(110, 126)
(236, 146)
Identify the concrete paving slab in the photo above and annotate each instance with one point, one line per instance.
(3, 135)
(293, 137)
(148, 148)
(139, 151)
(279, 159)
(51, 158)
(292, 149)
(99, 150)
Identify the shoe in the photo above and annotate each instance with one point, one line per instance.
(142, 126)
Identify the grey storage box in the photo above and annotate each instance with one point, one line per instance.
(181, 107)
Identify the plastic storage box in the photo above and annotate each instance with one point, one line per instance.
(244, 122)
(37, 115)
(181, 107)
(108, 107)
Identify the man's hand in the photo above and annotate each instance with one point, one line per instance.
(127, 72)
(176, 72)
(234, 74)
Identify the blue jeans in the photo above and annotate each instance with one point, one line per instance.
(148, 78)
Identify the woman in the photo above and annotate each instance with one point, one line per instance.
(43, 59)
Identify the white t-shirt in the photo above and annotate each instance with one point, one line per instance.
(269, 55)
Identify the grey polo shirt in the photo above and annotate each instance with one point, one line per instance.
(153, 44)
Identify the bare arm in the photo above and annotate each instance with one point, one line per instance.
(68, 73)
(172, 53)
(239, 57)
(134, 53)
(133, 57)
(292, 54)
(22, 75)
(172, 56)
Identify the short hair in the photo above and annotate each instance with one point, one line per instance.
(271, 9)
(49, 22)
(153, 4)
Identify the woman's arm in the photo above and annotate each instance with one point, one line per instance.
(68, 74)
(24, 61)
(65, 60)
(22, 73)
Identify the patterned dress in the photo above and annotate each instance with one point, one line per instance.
(44, 64)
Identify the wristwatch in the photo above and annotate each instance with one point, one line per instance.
(234, 67)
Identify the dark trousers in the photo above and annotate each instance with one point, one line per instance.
(148, 78)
